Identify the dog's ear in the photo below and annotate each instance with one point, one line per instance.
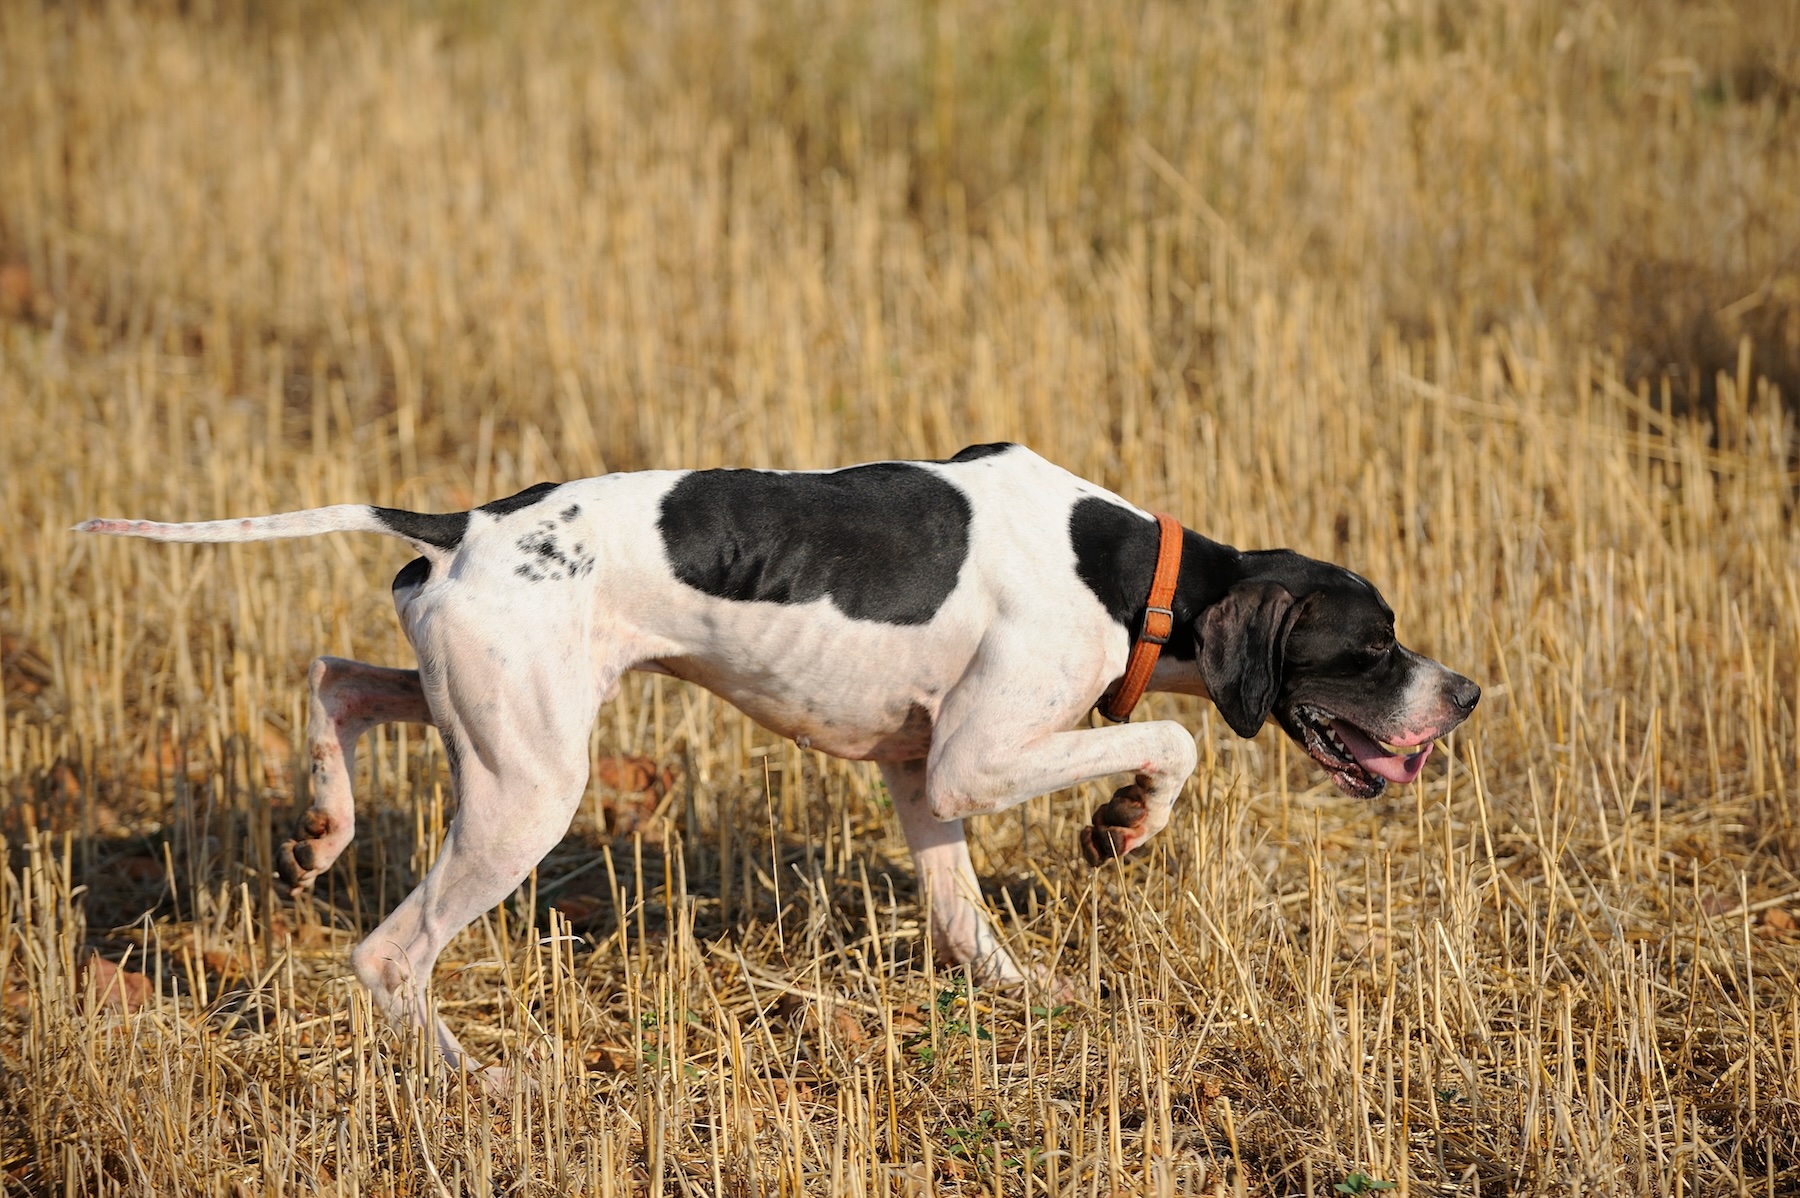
(1240, 652)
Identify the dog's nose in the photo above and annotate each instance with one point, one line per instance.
(1465, 695)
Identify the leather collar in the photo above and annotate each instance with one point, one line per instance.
(1153, 633)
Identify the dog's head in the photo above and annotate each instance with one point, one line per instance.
(1313, 645)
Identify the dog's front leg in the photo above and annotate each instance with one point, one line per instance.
(984, 768)
(981, 768)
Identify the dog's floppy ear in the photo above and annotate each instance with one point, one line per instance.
(1240, 652)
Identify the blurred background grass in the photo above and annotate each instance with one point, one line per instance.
(377, 185)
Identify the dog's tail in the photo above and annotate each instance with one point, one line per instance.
(432, 535)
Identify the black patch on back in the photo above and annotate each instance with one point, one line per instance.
(974, 453)
(1115, 555)
(412, 574)
(885, 541)
(524, 499)
(444, 531)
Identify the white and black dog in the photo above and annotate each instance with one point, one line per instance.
(952, 621)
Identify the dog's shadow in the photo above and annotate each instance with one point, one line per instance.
(829, 883)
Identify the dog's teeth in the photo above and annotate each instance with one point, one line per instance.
(1337, 743)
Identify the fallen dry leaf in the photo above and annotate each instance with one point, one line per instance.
(579, 909)
(610, 1058)
(67, 780)
(800, 1089)
(115, 988)
(140, 869)
(15, 288)
(313, 935)
(163, 759)
(273, 747)
(633, 772)
(908, 1018)
(639, 787)
(848, 1027)
(307, 935)
(223, 962)
(26, 671)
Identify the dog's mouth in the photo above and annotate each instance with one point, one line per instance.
(1359, 763)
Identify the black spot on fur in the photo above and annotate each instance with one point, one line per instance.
(412, 574)
(570, 512)
(974, 453)
(1115, 555)
(553, 561)
(885, 541)
(524, 499)
(445, 531)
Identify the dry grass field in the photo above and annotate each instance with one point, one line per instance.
(1495, 301)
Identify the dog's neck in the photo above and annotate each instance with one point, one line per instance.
(1208, 570)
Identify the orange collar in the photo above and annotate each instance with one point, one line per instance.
(1153, 634)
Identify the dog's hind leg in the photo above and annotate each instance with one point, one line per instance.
(517, 741)
(347, 699)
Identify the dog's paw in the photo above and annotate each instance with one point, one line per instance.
(501, 1081)
(302, 860)
(1118, 826)
(1050, 989)
(294, 862)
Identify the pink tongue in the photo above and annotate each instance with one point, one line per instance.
(1394, 767)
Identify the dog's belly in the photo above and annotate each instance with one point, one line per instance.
(851, 688)
(861, 731)
(852, 722)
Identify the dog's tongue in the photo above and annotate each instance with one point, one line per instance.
(1395, 767)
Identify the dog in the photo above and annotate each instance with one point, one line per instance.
(952, 621)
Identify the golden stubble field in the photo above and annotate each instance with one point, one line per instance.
(1496, 302)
